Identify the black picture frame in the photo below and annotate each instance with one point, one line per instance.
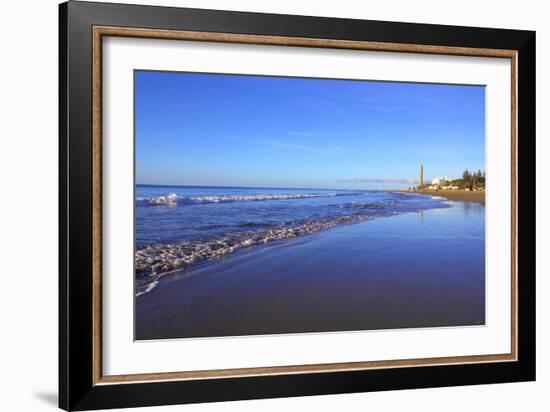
(77, 390)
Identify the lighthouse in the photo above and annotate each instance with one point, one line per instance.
(421, 180)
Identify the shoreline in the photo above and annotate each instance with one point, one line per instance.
(346, 279)
(154, 261)
(456, 195)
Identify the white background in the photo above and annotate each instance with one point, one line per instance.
(28, 222)
(123, 356)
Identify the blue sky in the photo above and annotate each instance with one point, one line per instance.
(226, 130)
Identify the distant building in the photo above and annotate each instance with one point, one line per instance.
(440, 181)
(421, 180)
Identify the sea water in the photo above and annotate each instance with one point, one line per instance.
(181, 227)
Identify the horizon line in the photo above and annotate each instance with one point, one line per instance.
(260, 187)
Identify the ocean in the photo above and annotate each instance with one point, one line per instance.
(266, 261)
(182, 227)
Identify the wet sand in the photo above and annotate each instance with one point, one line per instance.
(457, 195)
(413, 270)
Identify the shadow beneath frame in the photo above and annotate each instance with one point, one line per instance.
(49, 398)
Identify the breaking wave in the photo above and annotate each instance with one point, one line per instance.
(173, 199)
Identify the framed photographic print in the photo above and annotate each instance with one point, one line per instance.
(256, 205)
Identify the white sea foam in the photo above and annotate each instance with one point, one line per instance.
(256, 197)
(173, 199)
(148, 289)
(169, 200)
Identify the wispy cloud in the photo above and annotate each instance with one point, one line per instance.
(326, 105)
(281, 144)
(378, 180)
(300, 133)
(286, 145)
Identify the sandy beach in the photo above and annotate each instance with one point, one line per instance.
(457, 195)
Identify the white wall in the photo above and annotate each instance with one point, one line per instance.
(28, 190)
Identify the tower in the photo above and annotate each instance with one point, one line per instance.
(421, 180)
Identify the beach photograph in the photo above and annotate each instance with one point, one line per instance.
(284, 205)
